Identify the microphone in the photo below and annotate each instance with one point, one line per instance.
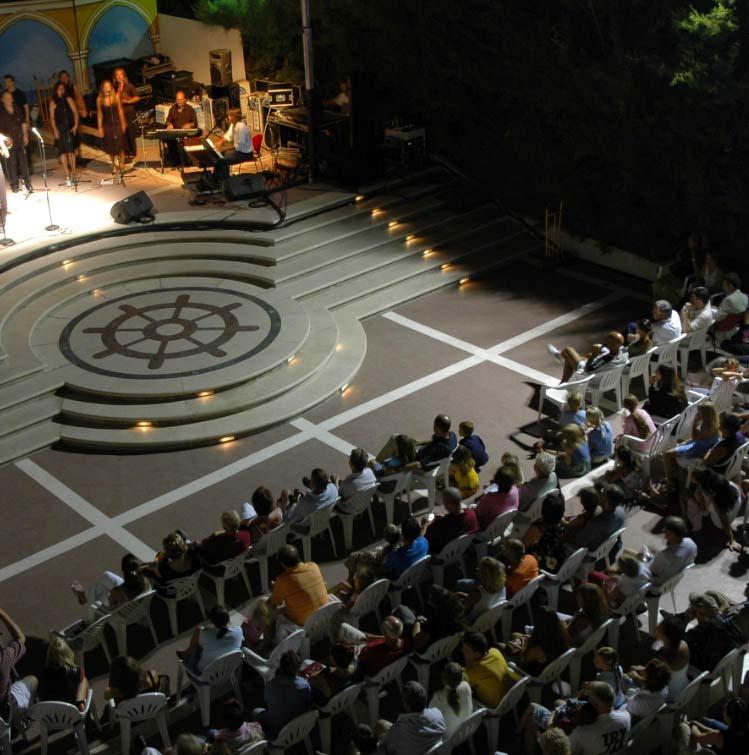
(36, 133)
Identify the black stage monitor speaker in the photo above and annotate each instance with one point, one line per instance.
(244, 186)
(135, 207)
(220, 61)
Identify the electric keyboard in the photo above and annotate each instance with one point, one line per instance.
(169, 134)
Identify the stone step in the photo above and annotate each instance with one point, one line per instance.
(29, 439)
(38, 409)
(31, 386)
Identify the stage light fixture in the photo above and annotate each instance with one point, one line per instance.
(359, 197)
(392, 224)
(205, 394)
(463, 281)
(446, 266)
(426, 253)
(144, 423)
(291, 359)
(80, 277)
(65, 263)
(344, 387)
(226, 439)
(375, 212)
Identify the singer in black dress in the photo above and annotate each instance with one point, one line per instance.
(64, 116)
(111, 122)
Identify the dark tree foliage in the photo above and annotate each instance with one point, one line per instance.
(632, 112)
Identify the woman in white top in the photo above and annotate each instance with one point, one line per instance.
(454, 700)
(646, 700)
(209, 643)
(674, 651)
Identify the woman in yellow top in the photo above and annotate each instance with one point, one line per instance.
(463, 472)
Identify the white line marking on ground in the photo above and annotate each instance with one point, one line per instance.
(316, 432)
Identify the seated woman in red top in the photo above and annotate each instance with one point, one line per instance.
(499, 497)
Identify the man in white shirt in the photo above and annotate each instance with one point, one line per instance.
(731, 309)
(235, 145)
(697, 313)
(666, 322)
(680, 551)
(361, 477)
(322, 493)
(607, 735)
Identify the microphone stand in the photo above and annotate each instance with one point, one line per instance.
(43, 153)
(76, 180)
(4, 241)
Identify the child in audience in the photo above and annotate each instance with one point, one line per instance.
(637, 422)
(473, 443)
(237, 733)
(629, 575)
(463, 472)
(512, 461)
(606, 663)
(600, 436)
(626, 474)
(643, 701)
(572, 412)
(374, 559)
(573, 456)
(259, 628)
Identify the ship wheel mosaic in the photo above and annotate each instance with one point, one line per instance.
(161, 327)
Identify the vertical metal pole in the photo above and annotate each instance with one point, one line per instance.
(309, 85)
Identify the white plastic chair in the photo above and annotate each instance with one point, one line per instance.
(89, 639)
(667, 717)
(453, 553)
(428, 479)
(520, 598)
(267, 547)
(316, 626)
(368, 602)
(373, 686)
(256, 748)
(557, 394)
(267, 667)
(551, 675)
(552, 583)
(316, 523)
(136, 611)
(297, 730)
(591, 644)
(508, 704)
(641, 740)
(401, 490)
(493, 533)
(357, 504)
(683, 429)
(697, 341)
(410, 578)
(604, 551)
(653, 598)
(732, 472)
(216, 675)
(464, 733)
(233, 567)
(722, 395)
(6, 746)
(627, 610)
(183, 588)
(605, 381)
(488, 620)
(722, 677)
(55, 716)
(343, 702)
(146, 707)
(437, 652)
(638, 367)
(647, 449)
(668, 353)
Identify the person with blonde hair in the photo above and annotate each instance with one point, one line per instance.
(486, 592)
(512, 461)
(555, 742)
(637, 423)
(62, 680)
(110, 120)
(705, 434)
(573, 456)
(600, 436)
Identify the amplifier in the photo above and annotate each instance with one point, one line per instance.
(406, 146)
(162, 110)
(167, 85)
(244, 186)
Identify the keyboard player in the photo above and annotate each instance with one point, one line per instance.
(180, 115)
(235, 145)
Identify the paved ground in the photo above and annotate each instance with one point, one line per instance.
(72, 515)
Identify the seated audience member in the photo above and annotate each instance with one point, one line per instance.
(520, 566)
(641, 341)
(321, 494)
(651, 693)
(739, 613)
(455, 699)
(704, 435)
(680, 551)
(128, 679)
(177, 560)
(445, 615)
(236, 733)
(415, 730)
(666, 322)
(729, 736)
(425, 453)
(512, 462)
(211, 642)
(637, 422)
(374, 559)
(572, 411)
(719, 456)
(600, 436)
(110, 590)
(714, 635)
(486, 670)
(592, 611)
(589, 500)
(546, 642)
(348, 592)
(360, 478)
(610, 729)
(267, 515)
(286, 696)
(544, 482)
(260, 626)
(697, 313)
(543, 540)
(227, 543)
(610, 353)
(608, 669)
(486, 592)
(629, 576)
(379, 650)
(730, 312)
(340, 673)
(627, 475)
(674, 653)
(463, 473)
(471, 441)
(364, 741)
(601, 526)
(415, 546)
(707, 270)
(500, 496)
(455, 522)
(711, 511)
(62, 679)
(573, 456)
(666, 395)
(300, 588)
(554, 742)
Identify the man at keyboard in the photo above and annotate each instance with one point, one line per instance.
(235, 145)
(180, 115)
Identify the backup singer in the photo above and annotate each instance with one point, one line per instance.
(71, 90)
(64, 116)
(180, 115)
(236, 145)
(111, 122)
(128, 97)
(13, 125)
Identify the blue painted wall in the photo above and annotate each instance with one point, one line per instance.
(119, 33)
(30, 48)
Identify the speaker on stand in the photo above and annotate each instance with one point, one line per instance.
(221, 73)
